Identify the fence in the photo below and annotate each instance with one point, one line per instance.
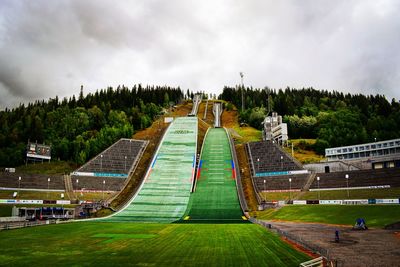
(16, 225)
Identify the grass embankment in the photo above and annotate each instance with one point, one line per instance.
(209, 115)
(247, 184)
(335, 194)
(119, 244)
(374, 215)
(243, 134)
(52, 167)
(302, 150)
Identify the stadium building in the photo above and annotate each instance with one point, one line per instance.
(382, 154)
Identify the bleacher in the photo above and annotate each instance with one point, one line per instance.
(115, 161)
(31, 181)
(91, 183)
(361, 178)
(267, 157)
(280, 183)
(270, 163)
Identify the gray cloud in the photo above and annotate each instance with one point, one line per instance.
(50, 48)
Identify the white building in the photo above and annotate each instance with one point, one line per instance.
(382, 154)
(274, 129)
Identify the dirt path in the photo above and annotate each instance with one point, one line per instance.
(374, 247)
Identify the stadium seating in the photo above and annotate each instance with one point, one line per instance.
(31, 181)
(266, 156)
(117, 159)
(91, 183)
(280, 183)
(379, 177)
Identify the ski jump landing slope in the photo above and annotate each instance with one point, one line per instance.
(165, 192)
(215, 199)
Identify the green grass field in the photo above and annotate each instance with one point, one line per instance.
(52, 167)
(335, 194)
(375, 215)
(121, 244)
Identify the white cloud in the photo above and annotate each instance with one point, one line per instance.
(50, 48)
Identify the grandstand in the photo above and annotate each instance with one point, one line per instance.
(11, 181)
(196, 102)
(281, 183)
(215, 198)
(268, 159)
(91, 183)
(272, 169)
(164, 193)
(217, 111)
(117, 160)
(358, 179)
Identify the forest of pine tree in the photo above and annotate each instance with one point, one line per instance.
(78, 129)
(333, 118)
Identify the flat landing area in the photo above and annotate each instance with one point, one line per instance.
(145, 244)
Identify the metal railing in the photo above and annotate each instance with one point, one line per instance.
(16, 225)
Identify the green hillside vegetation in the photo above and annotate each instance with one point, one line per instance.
(119, 244)
(332, 118)
(303, 150)
(78, 129)
(52, 167)
(374, 215)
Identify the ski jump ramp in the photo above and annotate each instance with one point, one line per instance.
(165, 191)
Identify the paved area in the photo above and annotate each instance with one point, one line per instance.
(373, 247)
(166, 190)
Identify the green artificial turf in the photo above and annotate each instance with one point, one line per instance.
(215, 198)
(130, 244)
(375, 215)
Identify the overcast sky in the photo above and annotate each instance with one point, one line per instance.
(50, 48)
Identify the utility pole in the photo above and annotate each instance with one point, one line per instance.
(241, 76)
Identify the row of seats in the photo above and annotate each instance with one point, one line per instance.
(379, 177)
(118, 158)
(266, 156)
(97, 183)
(38, 181)
(35, 181)
(280, 182)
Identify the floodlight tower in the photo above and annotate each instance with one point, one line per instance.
(241, 77)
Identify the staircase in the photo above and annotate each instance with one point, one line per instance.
(310, 180)
(68, 186)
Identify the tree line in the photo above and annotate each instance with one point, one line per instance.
(78, 128)
(331, 117)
